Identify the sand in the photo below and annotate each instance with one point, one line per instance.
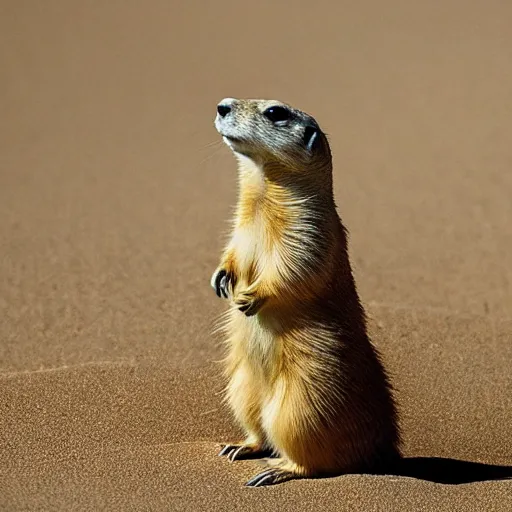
(114, 197)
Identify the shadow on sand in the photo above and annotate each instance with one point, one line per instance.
(450, 471)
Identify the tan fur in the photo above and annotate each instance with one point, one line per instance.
(304, 380)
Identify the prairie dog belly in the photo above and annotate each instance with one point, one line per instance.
(256, 342)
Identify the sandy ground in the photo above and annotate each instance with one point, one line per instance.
(113, 205)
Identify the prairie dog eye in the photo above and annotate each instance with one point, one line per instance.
(277, 114)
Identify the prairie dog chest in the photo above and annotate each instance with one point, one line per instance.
(254, 251)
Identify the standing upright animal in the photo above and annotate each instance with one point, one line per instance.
(305, 381)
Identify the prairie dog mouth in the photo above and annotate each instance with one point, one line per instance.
(228, 137)
(231, 138)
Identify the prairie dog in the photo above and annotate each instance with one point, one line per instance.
(305, 383)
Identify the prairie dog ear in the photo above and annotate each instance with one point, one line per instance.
(310, 137)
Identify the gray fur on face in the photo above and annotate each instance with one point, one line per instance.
(248, 131)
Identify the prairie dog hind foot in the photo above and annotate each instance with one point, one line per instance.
(242, 451)
(280, 470)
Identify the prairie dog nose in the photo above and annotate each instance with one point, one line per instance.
(223, 109)
(225, 106)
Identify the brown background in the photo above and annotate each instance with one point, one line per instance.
(113, 203)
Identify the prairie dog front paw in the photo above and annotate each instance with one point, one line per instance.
(222, 283)
(248, 303)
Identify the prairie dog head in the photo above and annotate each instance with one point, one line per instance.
(271, 132)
